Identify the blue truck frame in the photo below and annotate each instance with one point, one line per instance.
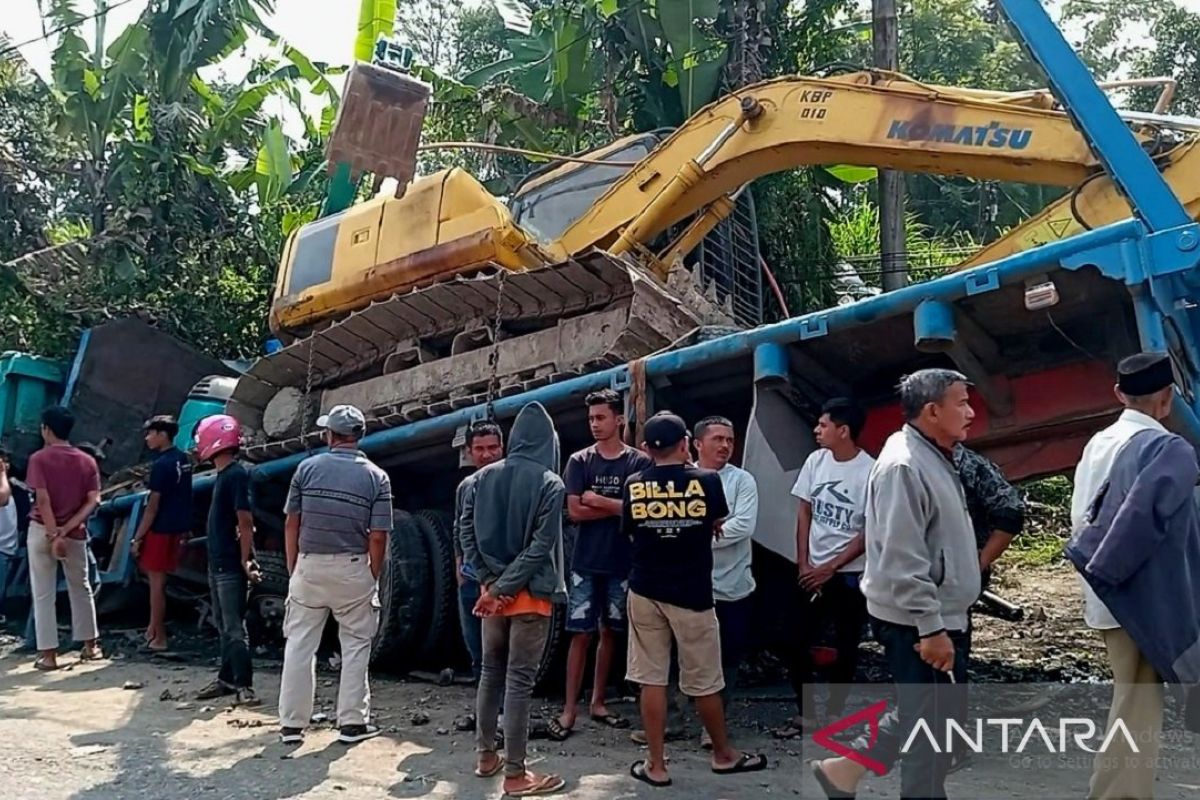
(1153, 255)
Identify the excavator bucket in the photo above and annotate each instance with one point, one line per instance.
(378, 124)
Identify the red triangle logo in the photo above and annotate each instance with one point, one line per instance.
(870, 715)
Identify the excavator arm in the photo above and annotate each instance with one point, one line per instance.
(1095, 203)
(880, 119)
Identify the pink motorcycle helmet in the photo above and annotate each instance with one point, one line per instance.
(216, 434)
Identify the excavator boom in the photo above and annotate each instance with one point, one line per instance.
(1095, 203)
(864, 118)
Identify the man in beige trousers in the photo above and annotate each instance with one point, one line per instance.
(339, 513)
(66, 485)
(1145, 389)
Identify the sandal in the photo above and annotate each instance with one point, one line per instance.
(826, 785)
(93, 653)
(556, 731)
(638, 772)
(546, 784)
(493, 770)
(615, 721)
(749, 762)
(44, 665)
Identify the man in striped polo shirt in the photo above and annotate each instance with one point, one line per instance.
(339, 513)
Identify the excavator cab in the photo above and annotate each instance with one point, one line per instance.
(549, 199)
(446, 224)
(726, 261)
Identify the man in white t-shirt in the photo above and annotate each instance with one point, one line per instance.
(832, 489)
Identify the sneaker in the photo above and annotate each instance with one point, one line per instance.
(349, 734)
(214, 690)
(291, 735)
(247, 697)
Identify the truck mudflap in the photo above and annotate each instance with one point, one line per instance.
(430, 350)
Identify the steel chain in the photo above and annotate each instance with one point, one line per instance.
(308, 382)
(494, 357)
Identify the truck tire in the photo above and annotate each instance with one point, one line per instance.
(404, 596)
(449, 649)
(268, 600)
(443, 617)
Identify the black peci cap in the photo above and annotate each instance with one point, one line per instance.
(1144, 373)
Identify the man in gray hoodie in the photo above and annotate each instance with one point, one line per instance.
(510, 530)
(921, 577)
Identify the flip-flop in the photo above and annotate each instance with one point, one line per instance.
(556, 731)
(749, 762)
(547, 784)
(611, 720)
(494, 771)
(638, 772)
(827, 786)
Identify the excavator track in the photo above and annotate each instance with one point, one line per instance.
(556, 321)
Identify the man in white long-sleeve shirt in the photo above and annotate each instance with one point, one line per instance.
(733, 583)
(1144, 389)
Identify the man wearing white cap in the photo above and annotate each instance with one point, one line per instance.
(339, 513)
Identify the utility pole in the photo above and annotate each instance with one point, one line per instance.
(98, 54)
(892, 254)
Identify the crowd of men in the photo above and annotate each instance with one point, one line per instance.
(662, 553)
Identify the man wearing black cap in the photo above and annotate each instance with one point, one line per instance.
(671, 512)
(339, 514)
(1145, 388)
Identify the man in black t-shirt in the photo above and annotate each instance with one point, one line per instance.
(231, 565)
(672, 512)
(165, 522)
(598, 582)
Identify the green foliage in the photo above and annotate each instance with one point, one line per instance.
(1047, 522)
(375, 19)
(1176, 54)
(854, 234)
(158, 174)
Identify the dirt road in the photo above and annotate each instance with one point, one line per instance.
(79, 734)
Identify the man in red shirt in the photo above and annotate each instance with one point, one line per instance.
(66, 483)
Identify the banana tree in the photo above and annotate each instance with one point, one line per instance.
(557, 55)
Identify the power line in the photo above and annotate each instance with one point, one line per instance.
(47, 34)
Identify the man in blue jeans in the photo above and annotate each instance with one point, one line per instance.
(231, 565)
(485, 445)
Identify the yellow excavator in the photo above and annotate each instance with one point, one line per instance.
(444, 296)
